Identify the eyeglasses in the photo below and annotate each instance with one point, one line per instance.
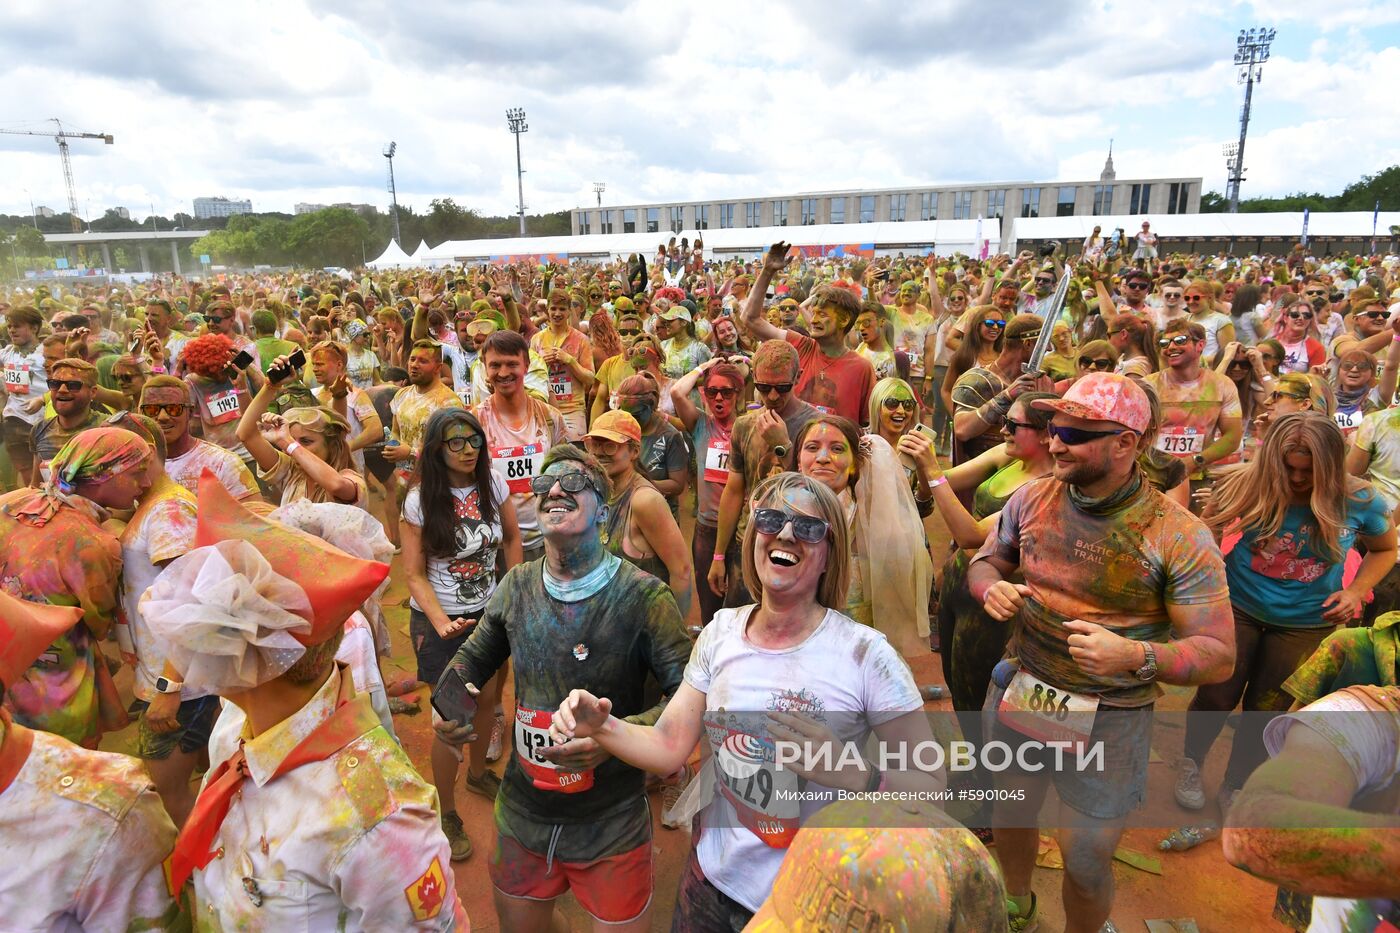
(1300, 315)
(805, 528)
(992, 322)
(572, 481)
(764, 388)
(1357, 367)
(459, 444)
(1180, 340)
(174, 410)
(1277, 394)
(1103, 363)
(72, 385)
(1014, 426)
(717, 392)
(1073, 437)
(890, 404)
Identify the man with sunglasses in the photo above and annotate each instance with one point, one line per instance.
(222, 318)
(569, 816)
(1172, 304)
(166, 401)
(1122, 590)
(1202, 418)
(71, 384)
(1369, 331)
(1136, 286)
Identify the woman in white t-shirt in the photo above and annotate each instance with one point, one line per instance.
(765, 679)
(459, 536)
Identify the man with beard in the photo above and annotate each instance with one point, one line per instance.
(1122, 590)
(569, 816)
(70, 383)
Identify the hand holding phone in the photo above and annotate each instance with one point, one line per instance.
(243, 360)
(923, 431)
(293, 363)
(455, 699)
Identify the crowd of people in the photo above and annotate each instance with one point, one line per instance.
(688, 510)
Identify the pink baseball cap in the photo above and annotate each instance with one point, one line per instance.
(1104, 397)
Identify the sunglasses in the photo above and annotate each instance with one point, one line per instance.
(72, 385)
(717, 392)
(1277, 394)
(629, 332)
(1193, 299)
(1014, 426)
(1356, 367)
(993, 323)
(1134, 284)
(569, 482)
(1312, 293)
(1073, 437)
(1300, 315)
(805, 528)
(1239, 361)
(958, 298)
(126, 377)
(213, 319)
(891, 404)
(1045, 281)
(764, 388)
(1104, 363)
(459, 444)
(174, 410)
(1180, 340)
(1375, 315)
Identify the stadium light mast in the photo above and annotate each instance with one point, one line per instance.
(598, 188)
(1251, 52)
(389, 151)
(515, 118)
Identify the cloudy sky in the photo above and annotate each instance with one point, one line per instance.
(294, 100)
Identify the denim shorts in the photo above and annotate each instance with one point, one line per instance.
(196, 718)
(433, 651)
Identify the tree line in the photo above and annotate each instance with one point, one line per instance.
(1360, 195)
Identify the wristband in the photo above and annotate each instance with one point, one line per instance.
(875, 781)
(940, 481)
(1395, 339)
(717, 558)
(293, 447)
(161, 370)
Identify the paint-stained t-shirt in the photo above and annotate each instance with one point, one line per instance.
(1191, 411)
(1120, 570)
(605, 644)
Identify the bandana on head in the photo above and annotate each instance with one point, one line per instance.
(95, 452)
(355, 328)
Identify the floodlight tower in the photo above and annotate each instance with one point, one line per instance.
(389, 151)
(598, 188)
(515, 118)
(1251, 52)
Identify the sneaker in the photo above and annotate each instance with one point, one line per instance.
(1023, 923)
(671, 794)
(456, 835)
(486, 786)
(1189, 792)
(498, 731)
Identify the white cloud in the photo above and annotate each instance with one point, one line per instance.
(293, 100)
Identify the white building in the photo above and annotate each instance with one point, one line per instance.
(302, 207)
(121, 212)
(43, 211)
(204, 208)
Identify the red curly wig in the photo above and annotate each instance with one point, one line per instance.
(208, 355)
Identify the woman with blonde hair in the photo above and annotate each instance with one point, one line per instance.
(775, 657)
(1298, 512)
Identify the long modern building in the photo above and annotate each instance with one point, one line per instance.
(1106, 196)
(204, 208)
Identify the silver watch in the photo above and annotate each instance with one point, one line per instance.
(1148, 672)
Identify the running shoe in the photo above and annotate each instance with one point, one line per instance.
(1023, 923)
(498, 732)
(456, 834)
(1189, 792)
(486, 786)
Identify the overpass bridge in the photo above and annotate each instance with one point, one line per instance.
(139, 240)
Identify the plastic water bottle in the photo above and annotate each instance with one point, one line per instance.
(1188, 837)
(1005, 670)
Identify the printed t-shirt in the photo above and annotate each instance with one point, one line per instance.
(882, 361)
(839, 385)
(517, 453)
(742, 683)
(412, 409)
(1283, 580)
(71, 561)
(219, 406)
(460, 362)
(360, 366)
(1349, 657)
(1302, 356)
(1379, 436)
(663, 453)
(1363, 724)
(565, 393)
(910, 334)
(1191, 411)
(466, 580)
(712, 456)
(161, 530)
(25, 380)
(289, 483)
(1120, 570)
(224, 464)
(605, 644)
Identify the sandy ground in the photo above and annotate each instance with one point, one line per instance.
(1197, 884)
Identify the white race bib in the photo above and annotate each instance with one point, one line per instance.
(561, 384)
(17, 378)
(717, 461)
(1051, 714)
(1180, 441)
(223, 406)
(519, 464)
(1349, 422)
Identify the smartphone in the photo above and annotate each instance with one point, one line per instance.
(925, 431)
(451, 699)
(294, 362)
(243, 360)
(134, 346)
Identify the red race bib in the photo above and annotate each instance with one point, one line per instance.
(532, 735)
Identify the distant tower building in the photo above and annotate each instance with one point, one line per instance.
(1108, 174)
(122, 212)
(43, 211)
(204, 208)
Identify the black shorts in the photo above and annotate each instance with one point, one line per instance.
(196, 718)
(433, 651)
(376, 465)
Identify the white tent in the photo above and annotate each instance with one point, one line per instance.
(420, 252)
(1181, 230)
(393, 257)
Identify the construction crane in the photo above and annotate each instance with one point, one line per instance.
(61, 136)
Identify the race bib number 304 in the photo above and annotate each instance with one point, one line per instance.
(518, 464)
(532, 736)
(1050, 714)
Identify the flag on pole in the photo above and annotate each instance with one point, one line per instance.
(981, 243)
(1306, 214)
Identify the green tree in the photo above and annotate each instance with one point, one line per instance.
(29, 242)
(336, 236)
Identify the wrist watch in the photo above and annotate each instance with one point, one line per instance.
(166, 685)
(1148, 672)
(780, 451)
